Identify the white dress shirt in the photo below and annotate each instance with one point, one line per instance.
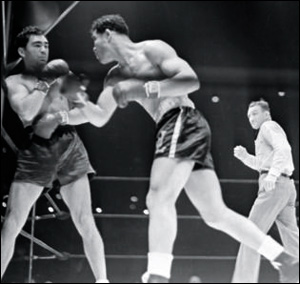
(272, 151)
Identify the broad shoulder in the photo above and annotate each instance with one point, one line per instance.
(156, 45)
(13, 80)
(17, 83)
(158, 49)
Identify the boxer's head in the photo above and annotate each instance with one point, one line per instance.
(105, 30)
(33, 46)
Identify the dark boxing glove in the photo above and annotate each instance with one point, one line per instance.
(54, 69)
(74, 90)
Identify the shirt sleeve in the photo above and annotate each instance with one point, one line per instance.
(274, 135)
(251, 161)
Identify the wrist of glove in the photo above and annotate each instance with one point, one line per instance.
(42, 86)
(62, 117)
(152, 89)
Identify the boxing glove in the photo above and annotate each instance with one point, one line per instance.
(44, 125)
(54, 69)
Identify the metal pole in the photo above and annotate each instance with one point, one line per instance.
(3, 32)
(13, 65)
(50, 199)
(8, 23)
(2, 106)
(31, 244)
(61, 17)
(40, 243)
(8, 140)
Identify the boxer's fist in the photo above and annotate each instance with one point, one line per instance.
(127, 91)
(44, 125)
(240, 152)
(70, 85)
(54, 69)
(74, 90)
(120, 95)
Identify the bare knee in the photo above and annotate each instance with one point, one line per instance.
(85, 224)
(159, 199)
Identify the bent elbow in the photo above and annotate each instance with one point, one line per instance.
(27, 116)
(287, 150)
(100, 122)
(283, 148)
(195, 83)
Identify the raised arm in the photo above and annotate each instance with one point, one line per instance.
(26, 103)
(249, 160)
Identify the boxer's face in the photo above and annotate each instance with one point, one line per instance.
(36, 52)
(102, 48)
(257, 116)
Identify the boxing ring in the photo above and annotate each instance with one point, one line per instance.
(34, 219)
(63, 256)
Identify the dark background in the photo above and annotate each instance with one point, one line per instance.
(241, 51)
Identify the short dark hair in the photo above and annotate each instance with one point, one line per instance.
(262, 103)
(23, 37)
(111, 22)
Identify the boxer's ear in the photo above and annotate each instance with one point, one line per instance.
(21, 51)
(108, 34)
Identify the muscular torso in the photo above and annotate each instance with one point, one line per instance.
(52, 103)
(140, 67)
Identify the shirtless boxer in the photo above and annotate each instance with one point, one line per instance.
(54, 150)
(153, 75)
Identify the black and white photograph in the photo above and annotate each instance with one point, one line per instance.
(150, 142)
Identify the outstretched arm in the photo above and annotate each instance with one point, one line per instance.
(97, 114)
(100, 113)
